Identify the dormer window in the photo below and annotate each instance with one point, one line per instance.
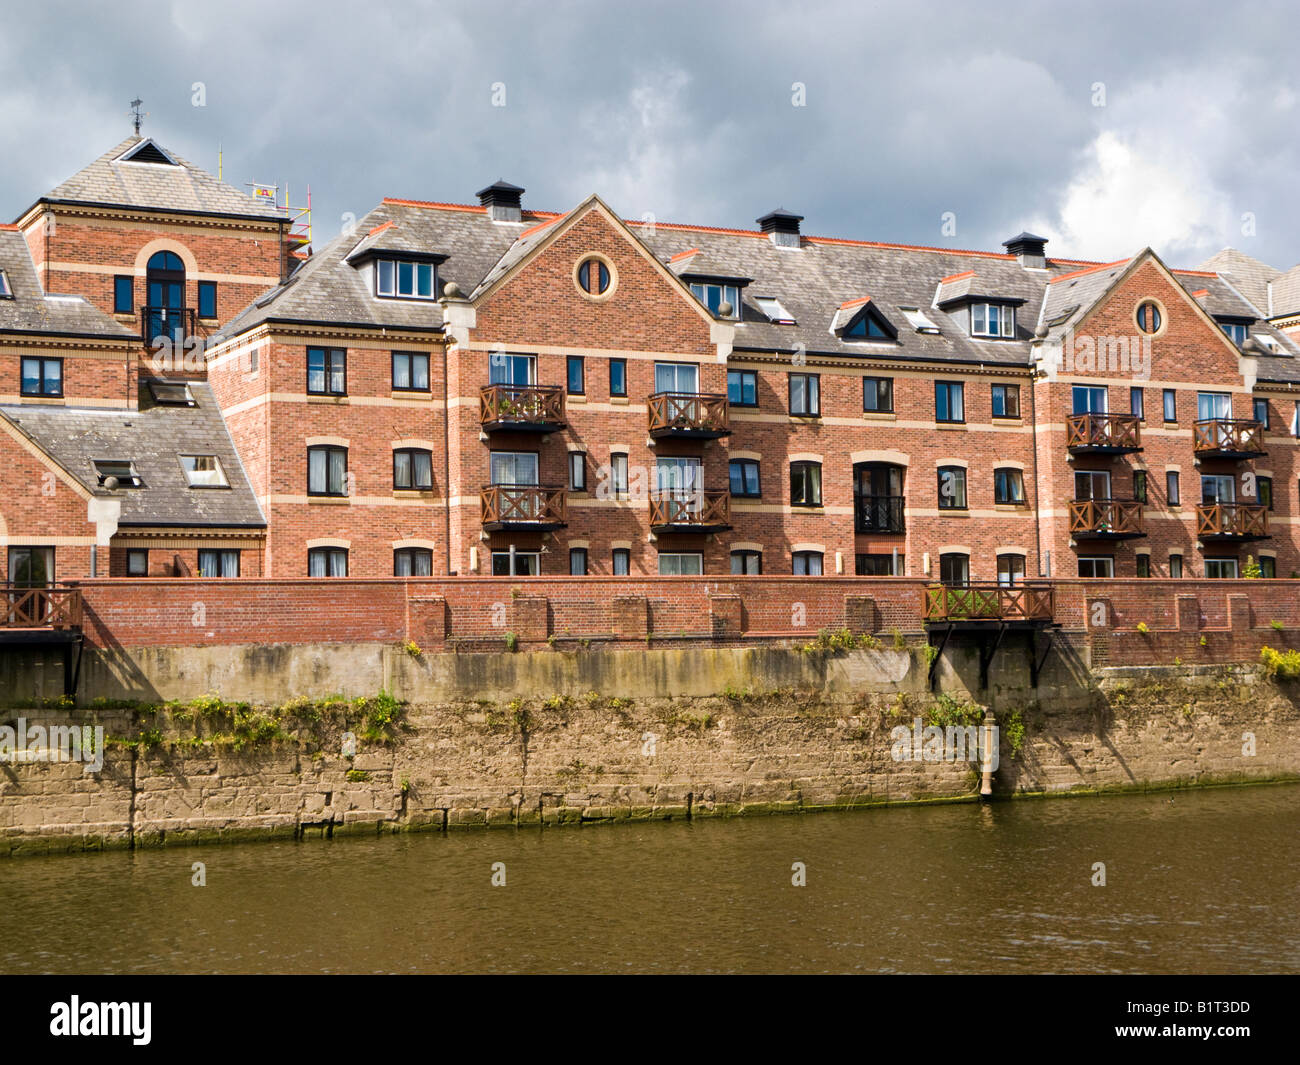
(714, 296)
(992, 320)
(1236, 328)
(6, 292)
(772, 308)
(860, 319)
(867, 326)
(405, 279)
(122, 472)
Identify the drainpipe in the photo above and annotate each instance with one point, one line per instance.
(988, 754)
(446, 457)
(1038, 509)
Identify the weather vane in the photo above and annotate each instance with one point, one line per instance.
(136, 115)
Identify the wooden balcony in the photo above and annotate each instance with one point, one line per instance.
(52, 607)
(1231, 521)
(1106, 519)
(689, 415)
(1027, 603)
(1103, 434)
(522, 507)
(1226, 438)
(703, 511)
(521, 408)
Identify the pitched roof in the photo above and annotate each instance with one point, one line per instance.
(1250, 276)
(31, 310)
(182, 187)
(153, 438)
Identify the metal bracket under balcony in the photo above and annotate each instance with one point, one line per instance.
(1224, 438)
(1106, 519)
(706, 511)
(1238, 522)
(1103, 434)
(522, 507)
(689, 415)
(521, 408)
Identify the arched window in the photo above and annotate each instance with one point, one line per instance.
(164, 313)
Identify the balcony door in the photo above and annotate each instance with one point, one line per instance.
(514, 468)
(1089, 400)
(878, 497)
(1091, 484)
(678, 484)
(1218, 488)
(165, 310)
(29, 567)
(520, 371)
(1213, 405)
(677, 377)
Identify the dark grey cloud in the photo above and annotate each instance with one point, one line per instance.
(684, 111)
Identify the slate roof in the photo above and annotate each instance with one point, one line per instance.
(32, 311)
(157, 186)
(153, 438)
(811, 282)
(1248, 275)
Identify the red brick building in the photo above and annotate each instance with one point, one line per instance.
(479, 389)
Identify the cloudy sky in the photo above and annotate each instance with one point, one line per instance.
(1106, 127)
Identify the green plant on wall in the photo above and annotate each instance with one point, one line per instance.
(1285, 665)
(1250, 569)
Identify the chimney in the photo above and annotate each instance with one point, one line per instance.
(782, 227)
(502, 201)
(1030, 251)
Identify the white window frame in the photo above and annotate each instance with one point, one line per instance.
(394, 290)
(497, 460)
(704, 290)
(218, 478)
(774, 311)
(982, 323)
(1108, 559)
(677, 369)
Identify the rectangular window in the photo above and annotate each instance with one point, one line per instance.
(744, 478)
(1171, 405)
(404, 279)
(137, 563)
(1140, 485)
(1099, 567)
(42, 377)
(513, 467)
(412, 469)
(949, 401)
(1171, 488)
(878, 565)
(518, 564)
(952, 488)
(31, 567)
(773, 310)
(1086, 399)
(1175, 565)
(805, 484)
(204, 471)
(1011, 570)
(327, 562)
(681, 565)
(1091, 484)
(1144, 565)
(577, 471)
(1235, 330)
(1264, 491)
(806, 564)
(215, 563)
(1218, 488)
(680, 377)
(576, 375)
(123, 295)
(327, 471)
(954, 568)
(1221, 568)
(1268, 567)
(742, 388)
(805, 395)
(1136, 403)
(207, 299)
(992, 320)
(410, 371)
(1006, 401)
(122, 469)
(1008, 485)
(618, 377)
(1259, 408)
(577, 562)
(618, 475)
(746, 563)
(327, 371)
(714, 296)
(878, 394)
(517, 370)
(1213, 405)
(622, 562)
(412, 562)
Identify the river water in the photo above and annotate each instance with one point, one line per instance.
(1201, 881)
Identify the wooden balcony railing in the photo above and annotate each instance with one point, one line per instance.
(879, 514)
(522, 408)
(52, 607)
(987, 602)
(1111, 434)
(1228, 439)
(686, 511)
(1106, 519)
(689, 414)
(513, 506)
(1231, 521)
